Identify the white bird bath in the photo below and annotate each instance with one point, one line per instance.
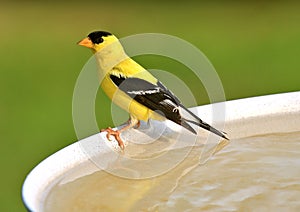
(246, 120)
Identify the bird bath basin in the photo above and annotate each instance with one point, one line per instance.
(258, 169)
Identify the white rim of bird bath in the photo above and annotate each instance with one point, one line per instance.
(277, 113)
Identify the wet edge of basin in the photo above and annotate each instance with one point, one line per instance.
(243, 118)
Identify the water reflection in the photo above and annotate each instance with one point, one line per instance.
(255, 173)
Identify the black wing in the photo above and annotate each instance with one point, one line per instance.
(156, 97)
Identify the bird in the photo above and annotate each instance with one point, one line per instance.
(130, 86)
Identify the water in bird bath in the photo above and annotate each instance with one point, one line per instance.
(252, 173)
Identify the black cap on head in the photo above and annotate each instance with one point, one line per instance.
(96, 37)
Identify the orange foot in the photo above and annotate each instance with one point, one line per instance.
(116, 134)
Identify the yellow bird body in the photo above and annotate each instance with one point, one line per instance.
(134, 89)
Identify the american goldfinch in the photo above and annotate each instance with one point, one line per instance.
(134, 89)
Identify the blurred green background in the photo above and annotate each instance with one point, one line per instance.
(254, 46)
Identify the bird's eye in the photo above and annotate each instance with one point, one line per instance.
(97, 36)
(98, 40)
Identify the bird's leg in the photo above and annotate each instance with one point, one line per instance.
(116, 133)
(137, 125)
(132, 122)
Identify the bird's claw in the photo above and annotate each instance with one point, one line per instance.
(116, 134)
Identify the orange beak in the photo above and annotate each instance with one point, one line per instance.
(86, 42)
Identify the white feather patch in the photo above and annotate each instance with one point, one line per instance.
(142, 92)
